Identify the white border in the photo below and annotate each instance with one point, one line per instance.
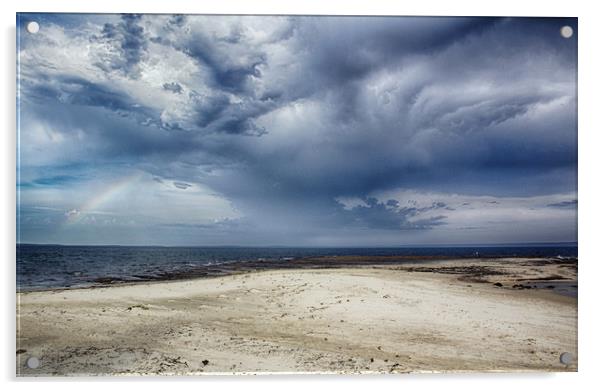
(590, 196)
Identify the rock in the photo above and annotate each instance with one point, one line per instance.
(498, 284)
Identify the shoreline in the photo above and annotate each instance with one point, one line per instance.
(450, 317)
(313, 262)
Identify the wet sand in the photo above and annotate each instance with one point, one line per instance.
(427, 316)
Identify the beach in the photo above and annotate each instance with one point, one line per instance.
(426, 316)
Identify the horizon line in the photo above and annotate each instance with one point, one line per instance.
(513, 244)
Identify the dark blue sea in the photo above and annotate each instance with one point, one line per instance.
(57, 266)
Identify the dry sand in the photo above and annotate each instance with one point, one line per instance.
(447, 316)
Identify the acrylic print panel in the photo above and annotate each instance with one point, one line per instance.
(293, 194)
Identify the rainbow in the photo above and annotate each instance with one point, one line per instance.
(112, 190)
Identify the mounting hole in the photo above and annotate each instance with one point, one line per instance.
(566, 32)
(566, 358)
(33, 27)
(33, 362)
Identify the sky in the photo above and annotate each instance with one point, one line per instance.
(296, 131)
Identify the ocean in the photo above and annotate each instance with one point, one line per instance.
(42, 267)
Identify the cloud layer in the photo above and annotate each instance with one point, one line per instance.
(296, 130)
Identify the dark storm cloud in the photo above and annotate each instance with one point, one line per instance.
(336, 107)
(209, 109)
(115, 137)
(56, 180)
(181, 185)
(474, 136)
(356, 47)
(389, 215)
(130, 38)
(564, 204)
(68, 90)
(220, 115)
(177, 20)
(226, 74)
(173, 87)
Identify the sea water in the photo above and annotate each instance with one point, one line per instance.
(59, 266)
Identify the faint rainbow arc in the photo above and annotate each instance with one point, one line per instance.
(102, 197)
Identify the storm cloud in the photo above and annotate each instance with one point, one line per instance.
(291, 130)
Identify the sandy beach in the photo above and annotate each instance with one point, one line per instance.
(439, 316)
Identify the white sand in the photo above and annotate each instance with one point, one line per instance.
(335, 320)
